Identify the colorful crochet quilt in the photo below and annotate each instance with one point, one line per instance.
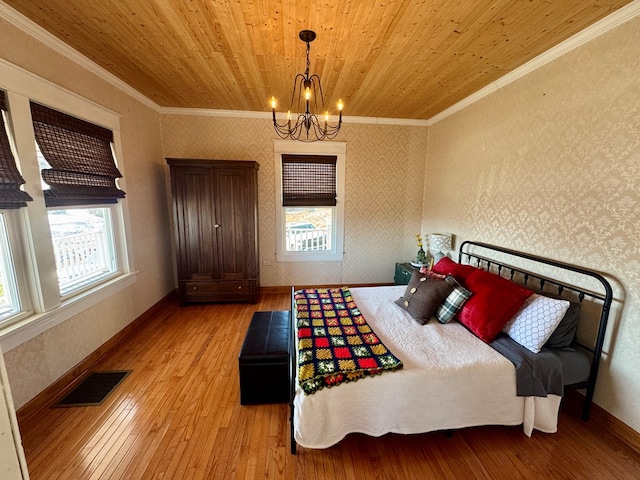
(335, 343)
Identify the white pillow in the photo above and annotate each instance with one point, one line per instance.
(536, 320)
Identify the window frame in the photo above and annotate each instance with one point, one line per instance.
(15, 235)
(48, 308)
(288, 147)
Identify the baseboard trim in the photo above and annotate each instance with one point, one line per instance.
(600, 419)
(274, 290)
(69, 380)
(287, 288)
(624, 432)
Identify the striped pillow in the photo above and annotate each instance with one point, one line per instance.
(454, 301)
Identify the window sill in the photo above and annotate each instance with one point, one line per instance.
(24, 330)
(309, 257)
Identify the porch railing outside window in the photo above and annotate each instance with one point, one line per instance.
(302, 239)
(82, 246)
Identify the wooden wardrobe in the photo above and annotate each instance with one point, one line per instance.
(215, 204)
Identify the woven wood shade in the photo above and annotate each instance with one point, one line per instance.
(10, 179)
(83, 169)
(308, 180)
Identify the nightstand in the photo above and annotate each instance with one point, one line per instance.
(404, 271)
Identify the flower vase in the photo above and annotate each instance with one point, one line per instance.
(421, 258)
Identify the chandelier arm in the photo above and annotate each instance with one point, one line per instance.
(281, 126)
(298, 82)
(333, 125)
(319, 83)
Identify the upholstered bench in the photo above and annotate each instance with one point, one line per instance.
(264, 361)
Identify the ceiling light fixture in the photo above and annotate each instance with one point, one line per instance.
(307, 93)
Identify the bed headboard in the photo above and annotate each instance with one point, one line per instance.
(495, 259)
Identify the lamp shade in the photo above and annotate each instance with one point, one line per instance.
(439, 242)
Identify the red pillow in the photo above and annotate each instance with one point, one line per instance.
(494, 301)
(460, 272)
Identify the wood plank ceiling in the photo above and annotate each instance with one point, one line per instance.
(385, 58)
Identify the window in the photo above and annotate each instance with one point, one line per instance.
(67, 249)
(77, 169)
(310, 205)
(309, 198)
(12, 197)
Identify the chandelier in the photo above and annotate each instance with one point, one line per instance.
(307, 96)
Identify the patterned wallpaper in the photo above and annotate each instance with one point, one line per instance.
(551, 165)
(37, 363)
(383, 192)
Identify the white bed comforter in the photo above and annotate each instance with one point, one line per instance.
(450, 380)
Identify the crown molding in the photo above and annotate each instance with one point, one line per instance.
(410, 122)
(268, 115)
(610, 22)
(212, 112)
(30, 28)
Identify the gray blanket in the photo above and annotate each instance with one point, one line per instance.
(537, 374)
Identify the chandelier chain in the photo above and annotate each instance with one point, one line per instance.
(306, 72)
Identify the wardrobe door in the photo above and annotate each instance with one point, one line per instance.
(232, 231)
(193, 191)
(236, 231)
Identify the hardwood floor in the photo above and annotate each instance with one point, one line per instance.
(178, 416)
